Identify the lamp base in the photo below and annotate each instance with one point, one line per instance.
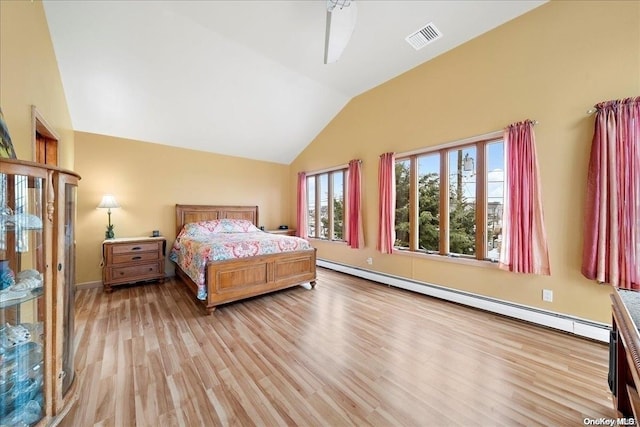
(109, 234)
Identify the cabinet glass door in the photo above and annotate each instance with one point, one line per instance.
(22, 299)
(69, 285)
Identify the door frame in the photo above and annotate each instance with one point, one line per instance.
(40, 126)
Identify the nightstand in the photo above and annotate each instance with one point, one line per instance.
(132, 259)
(286, 232)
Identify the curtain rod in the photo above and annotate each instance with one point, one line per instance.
(594, 109)
(331, 169)
(470, 140)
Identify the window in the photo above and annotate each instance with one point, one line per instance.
(338, 206)
(402, 203)
(495, 198)
(428, 203)
(450, 201)
(322, 188)
(462, 201)
(326, 191)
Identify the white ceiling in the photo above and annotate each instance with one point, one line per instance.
(242, 78)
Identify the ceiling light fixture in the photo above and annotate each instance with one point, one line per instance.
(341, 21)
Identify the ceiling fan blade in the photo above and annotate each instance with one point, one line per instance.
(341, 21)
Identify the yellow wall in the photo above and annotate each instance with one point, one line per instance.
(551, 65)
(29, 76)
(148, 180)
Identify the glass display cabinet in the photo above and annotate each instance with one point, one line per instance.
(37, 281)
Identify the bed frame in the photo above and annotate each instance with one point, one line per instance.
(241, 278)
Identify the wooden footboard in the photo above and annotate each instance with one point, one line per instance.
(247, 277)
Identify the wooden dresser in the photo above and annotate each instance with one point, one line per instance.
(132, 259)
(624, 374)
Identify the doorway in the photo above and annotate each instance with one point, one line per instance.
(45, 140)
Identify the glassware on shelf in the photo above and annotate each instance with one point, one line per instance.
(22, 304)
(7, 277)
(21, 381)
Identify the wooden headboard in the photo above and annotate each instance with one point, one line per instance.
(194, 213)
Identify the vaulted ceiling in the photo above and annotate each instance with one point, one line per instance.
(241, 78)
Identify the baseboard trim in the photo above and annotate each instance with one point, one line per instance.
(89, 285)
(574, 325)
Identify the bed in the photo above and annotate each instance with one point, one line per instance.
(235, 279)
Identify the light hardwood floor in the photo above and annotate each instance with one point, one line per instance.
(349, 352)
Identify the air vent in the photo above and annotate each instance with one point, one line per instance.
(425, 35)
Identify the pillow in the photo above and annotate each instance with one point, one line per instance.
(221, 226)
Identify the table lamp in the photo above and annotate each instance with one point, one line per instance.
(108, 202)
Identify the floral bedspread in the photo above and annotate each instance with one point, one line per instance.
(220, 240)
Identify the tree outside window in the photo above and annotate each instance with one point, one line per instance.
(327, 192)
(472, 179)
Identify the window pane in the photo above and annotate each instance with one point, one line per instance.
(323, 188)
(338, 205)
(429, 203)
(402, 203)
(311, 206)
(462, 201)
(495, 198)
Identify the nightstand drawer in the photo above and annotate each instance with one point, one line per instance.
(134, 247)
(134, 272)
(129, 257)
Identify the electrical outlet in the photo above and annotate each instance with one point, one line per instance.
(369, 260)
(547, 295)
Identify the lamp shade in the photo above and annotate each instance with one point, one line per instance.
(108, 202)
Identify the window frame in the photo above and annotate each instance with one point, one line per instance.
(481, 197)
(329, 173)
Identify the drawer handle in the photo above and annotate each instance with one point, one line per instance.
(136, 257)
(136, 248)
(121, 273)
(150, 268)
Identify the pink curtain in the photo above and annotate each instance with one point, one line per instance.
(301, 206)
(354, 234)
(524, 240)
(611, 247)
(387, 203)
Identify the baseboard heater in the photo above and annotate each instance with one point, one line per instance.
(574, 325)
